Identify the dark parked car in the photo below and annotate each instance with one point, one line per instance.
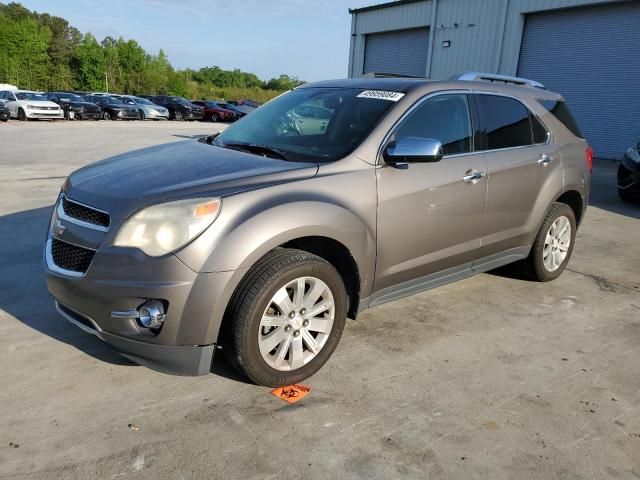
(215, 112)
(179, 108)
(239, 113)
(246, 106)
(629, 175)
(4, 112)
(74, 106)
(113, 108)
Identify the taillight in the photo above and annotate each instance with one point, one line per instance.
(590, 158)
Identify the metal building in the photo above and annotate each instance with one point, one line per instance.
(588, 50)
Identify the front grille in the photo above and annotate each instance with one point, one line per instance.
(70, 257)
(85, 214)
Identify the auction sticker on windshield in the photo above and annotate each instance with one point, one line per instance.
(381, 95)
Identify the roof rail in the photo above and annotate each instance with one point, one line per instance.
(492, 77)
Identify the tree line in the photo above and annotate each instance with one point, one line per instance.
(39, 51)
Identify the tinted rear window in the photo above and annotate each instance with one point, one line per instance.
(560, 110)
(506, 122)
(539, 130)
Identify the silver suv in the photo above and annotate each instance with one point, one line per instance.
(262, 240)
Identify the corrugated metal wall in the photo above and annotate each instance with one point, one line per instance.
(485, 35)
(401, 52)
(414, 15)
(596, 68)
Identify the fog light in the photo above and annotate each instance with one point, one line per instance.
(152, 314)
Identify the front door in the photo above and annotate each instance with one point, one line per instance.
(431, 215)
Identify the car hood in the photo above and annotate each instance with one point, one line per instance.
(40, 103)
(82, 104)
(126, 183)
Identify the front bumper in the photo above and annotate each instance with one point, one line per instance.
(4, 115)
(155, 115)
(128, 114)
(87, 115)
(52, 114)
(194, 116)
(119, 281)
(94, 283)
(177, 360)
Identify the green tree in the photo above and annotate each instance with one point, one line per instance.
(89, 64)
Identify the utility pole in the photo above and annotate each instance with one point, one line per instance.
(106, 82)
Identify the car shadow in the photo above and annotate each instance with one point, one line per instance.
(604, 190)
(23, 290)
(24, 295)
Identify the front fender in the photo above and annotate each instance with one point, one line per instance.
(236, 241)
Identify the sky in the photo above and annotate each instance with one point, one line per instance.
(308, 39)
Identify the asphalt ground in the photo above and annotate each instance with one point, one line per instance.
(491, 377)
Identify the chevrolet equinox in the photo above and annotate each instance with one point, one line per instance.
(262, 240)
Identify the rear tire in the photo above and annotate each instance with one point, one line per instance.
(268, 294)
(553, 246)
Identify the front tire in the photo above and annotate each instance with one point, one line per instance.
(21, 115)
(178, 116)
(106, 116)
(553, 245)
(141, 115)
(214, 118)
(286, 318)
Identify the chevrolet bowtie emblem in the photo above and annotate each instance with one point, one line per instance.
(58, 228)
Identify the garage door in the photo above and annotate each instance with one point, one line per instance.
(591, 55)
(403, 52)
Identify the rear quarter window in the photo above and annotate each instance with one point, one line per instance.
(560, 110)
(506, 122)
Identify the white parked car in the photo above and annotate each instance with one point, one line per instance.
(25, 104)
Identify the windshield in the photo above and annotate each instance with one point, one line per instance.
(70, 97)
(30, 96)
(318, 124)
(142, 101)
(181, 101)
(112, 100)
(127, 101)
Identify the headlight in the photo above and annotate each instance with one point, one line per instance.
(163, 228)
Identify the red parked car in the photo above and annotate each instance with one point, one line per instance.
(216, 113)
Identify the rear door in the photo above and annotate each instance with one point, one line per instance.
(430, 219)
(524, 172)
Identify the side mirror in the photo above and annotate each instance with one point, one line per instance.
(414, 150)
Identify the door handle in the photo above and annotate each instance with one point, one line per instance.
(545, 159)
(473, 176)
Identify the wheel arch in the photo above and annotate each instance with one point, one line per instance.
(573, 199)
(338, 255)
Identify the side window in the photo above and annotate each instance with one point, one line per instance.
(444, 117)
(560, 110)
(540, 133)
(505, 122)
(3, 96)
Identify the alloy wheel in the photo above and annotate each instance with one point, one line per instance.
(556, 244)
(296, 324)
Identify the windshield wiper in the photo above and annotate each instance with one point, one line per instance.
(255, 148)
